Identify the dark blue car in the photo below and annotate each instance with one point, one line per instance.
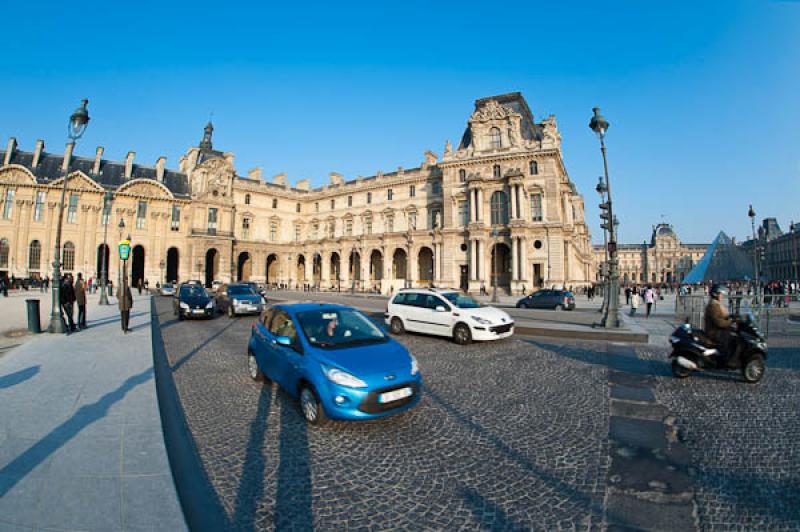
(336, 360)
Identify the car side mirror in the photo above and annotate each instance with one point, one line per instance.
(284, 340)
(440, 308)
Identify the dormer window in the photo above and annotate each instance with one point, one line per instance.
(494, 138)
(534, 167)
(496, 170)
(462, 176)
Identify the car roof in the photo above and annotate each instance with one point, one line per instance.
(302, 306)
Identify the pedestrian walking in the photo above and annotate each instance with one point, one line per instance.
(649, 299)
(139, 286)
(125, 302)
(68, 303)
(634, 301)
(4, 286)
(80, 299)
(627, 295)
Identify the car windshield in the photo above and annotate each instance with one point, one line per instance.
(461, 300)
(193, 291)
(241, 290)
(339, 327)
(167, 285)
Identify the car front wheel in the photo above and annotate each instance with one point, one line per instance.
(397, 326)
(311, 407)
(252, 367)
(462, 334)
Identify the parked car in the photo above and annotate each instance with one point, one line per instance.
(192, 301)
(446, 313)
(333, 358)
(238, 298)
(552, 299)
(167, 289)
(257, 288)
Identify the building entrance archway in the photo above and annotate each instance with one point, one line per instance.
(173, 264)
(244, 267)
(212, 266)
(501, 267)
(301, 269)
(354, 266)
(399, 264)
(335, 275)
(102, 250)
(137, 266)
(317, 268)
(273, 267)
(425, 266)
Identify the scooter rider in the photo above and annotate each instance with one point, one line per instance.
(717, 322)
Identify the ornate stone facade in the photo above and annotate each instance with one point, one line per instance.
(665, 259)
(503, 191)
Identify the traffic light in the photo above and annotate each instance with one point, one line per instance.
(605, 216)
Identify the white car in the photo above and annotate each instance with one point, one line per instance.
(446, 313)
(167, 289)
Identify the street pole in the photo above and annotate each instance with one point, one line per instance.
(107, 197)
(496, 264)
(601, 189)
(612, 317)
(162, 264)
(757, 287)
(75, 129)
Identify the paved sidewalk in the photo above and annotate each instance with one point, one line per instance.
(81, 444)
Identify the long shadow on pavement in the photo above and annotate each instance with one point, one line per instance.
(197, 349)
(293, 504)
(12, 379)
(82, 418)
(482, 508)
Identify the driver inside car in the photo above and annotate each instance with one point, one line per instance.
(333, 330)
(717, 322)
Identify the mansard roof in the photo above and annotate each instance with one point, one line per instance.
(513, 101)
(111, 176)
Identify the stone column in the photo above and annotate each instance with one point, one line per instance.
(480, 205)
(512, 200)
(473, 274)
(515, 258)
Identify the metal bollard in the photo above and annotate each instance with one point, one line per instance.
(34, 325)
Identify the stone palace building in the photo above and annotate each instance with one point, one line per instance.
(500, 206)
(665, 259)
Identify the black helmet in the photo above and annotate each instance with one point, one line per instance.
(717, 289)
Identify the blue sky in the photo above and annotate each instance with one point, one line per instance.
(702, 97)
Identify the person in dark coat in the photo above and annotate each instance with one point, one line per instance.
(125, 302)
(67, 295)
(80, 299)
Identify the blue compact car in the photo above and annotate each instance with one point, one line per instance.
(333, 358)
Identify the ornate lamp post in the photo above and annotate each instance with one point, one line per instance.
(495, 254)
(75, 130)
(121, 228)
(612, 317)
(107, 198)
(752, 214)
(601, 190)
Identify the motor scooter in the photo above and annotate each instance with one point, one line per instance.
(692, 350)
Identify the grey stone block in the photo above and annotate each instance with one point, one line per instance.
(150, 503)
(82, 503)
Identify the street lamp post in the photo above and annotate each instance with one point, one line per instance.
(756, 274)
(75, 129)
(107, 198)
(612, 317)
(601, 190)
(121, 228)
(496, 264)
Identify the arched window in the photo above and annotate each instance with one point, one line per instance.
(34, 256)
(462, 175)
(534, 168)
(69, 257)
(494, 138)
(499, 208)
(496, 170)
(247, 199)
(3, 253)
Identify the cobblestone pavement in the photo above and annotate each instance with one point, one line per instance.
(509, 435)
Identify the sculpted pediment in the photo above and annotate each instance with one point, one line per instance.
(493, 111)
(16, 175)
(145, 188)
(213, 177)
(79, 181)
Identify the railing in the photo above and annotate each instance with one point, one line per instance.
(691, 308)
(212, 232)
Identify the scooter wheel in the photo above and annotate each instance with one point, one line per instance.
(754, 369)
(679, 371)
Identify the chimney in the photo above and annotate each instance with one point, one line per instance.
(67, 157)
(336, 179)
(303, 184)
(129, 164)
(255, 173)
(12, 144)
(97, 156)
(160, 162)
(279, 179)
(37, 153)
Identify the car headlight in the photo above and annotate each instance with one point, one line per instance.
(343, 378)
(235, 302)
(480, 320)
(184, 305)
(414, 365)
(210, 304)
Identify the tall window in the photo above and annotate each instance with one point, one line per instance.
(389, 194)
(34, 256)
(176, 218)
(247, 199)
(412, 221)
(68, 258)
(39, 206)
(536, 207)
(499, 208)
(8, 205)
(436, 188)
(534, 167)
(273, 231)
(368, 226)
(463, 213)
(141, 215)
(297, 233)
(3, 253)
(494, 138)
(369, 197)
(436, 218)
(462, 176)
(333, 204)
(245, 228)
(315, 231)
(316, 206)
(106, 212)
(297, 208)
(212, 221)
(496, 170)
(390, 223)
(72, 210)
(274, 203)
(349, 201)
(331, 229)
(412, 191)
(348, 227)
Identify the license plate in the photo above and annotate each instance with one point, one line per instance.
(199, 311)
(394, 395)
